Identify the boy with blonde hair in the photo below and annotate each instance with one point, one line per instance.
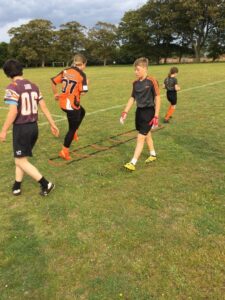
(73, 83)
(147, 97)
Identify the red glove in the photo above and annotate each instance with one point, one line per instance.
(154, 122)
(123, 117)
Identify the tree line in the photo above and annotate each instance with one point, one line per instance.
(160, 29)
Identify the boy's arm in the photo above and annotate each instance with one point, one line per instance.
(126, 110)
(54, 128)
(11, 116)
(129, 105)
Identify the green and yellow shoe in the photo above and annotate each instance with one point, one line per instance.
(129, 166)
(150, 159)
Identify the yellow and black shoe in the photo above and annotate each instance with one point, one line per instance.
(150, 159)
(129, 166)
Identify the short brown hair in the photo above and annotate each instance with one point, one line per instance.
(173, 70)
(79, 59)
(13, 68)
(141, 61)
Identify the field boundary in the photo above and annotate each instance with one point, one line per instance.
(121, 105)
(62, 118)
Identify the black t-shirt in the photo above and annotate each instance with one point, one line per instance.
(170, 83)
(145, 91)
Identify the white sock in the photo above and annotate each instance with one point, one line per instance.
(133, 161)
(152, 153)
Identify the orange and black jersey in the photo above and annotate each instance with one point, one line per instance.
(145, 91)
(74, 82)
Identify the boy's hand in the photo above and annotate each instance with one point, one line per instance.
(154, 122)
(56, 97)
(55, 130)
(3, 136)
(123, 117)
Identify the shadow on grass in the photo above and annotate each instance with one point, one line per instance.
(23, 269)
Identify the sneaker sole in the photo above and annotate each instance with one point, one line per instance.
(150, 161)
(16, 194)
(129, 169)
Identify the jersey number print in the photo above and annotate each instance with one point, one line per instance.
(29, 103)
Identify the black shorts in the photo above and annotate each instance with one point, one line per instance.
(172, 97)
(142, 119)
(24, 139)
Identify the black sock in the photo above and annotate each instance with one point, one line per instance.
(43, 182)
(16, 185)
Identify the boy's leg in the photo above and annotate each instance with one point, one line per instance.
(73, 123)
(149, 142)
(152, 153)
(33, 172)
(137, 152)
(16, 189)
(139, 146)
(28, 168)
(82, 114)
(170, 112)
(73, 118)
(19, 174)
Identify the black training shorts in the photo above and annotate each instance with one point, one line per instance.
(172, 97)
(142, 119)
(24, 139)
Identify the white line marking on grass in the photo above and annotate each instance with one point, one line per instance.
(201, 86)
(104, 109)
(61, 118)
(121, 105)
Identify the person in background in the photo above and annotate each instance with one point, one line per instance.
(171, 86)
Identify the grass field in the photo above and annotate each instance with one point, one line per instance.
(107, 234)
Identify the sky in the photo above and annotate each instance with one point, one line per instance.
(14, 13)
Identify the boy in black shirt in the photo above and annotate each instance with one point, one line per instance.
(147, 97)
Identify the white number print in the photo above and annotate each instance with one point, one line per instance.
(29, 103)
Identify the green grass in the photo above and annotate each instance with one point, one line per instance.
(106, 234)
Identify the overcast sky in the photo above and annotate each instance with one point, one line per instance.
(14, 13)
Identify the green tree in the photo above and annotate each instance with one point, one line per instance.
(196, 21)
(32, 42)
(3, 53)
(158, 17)
(132, 36)
(216, 41)
(102, 41)
(68, 40)
(145, 32)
